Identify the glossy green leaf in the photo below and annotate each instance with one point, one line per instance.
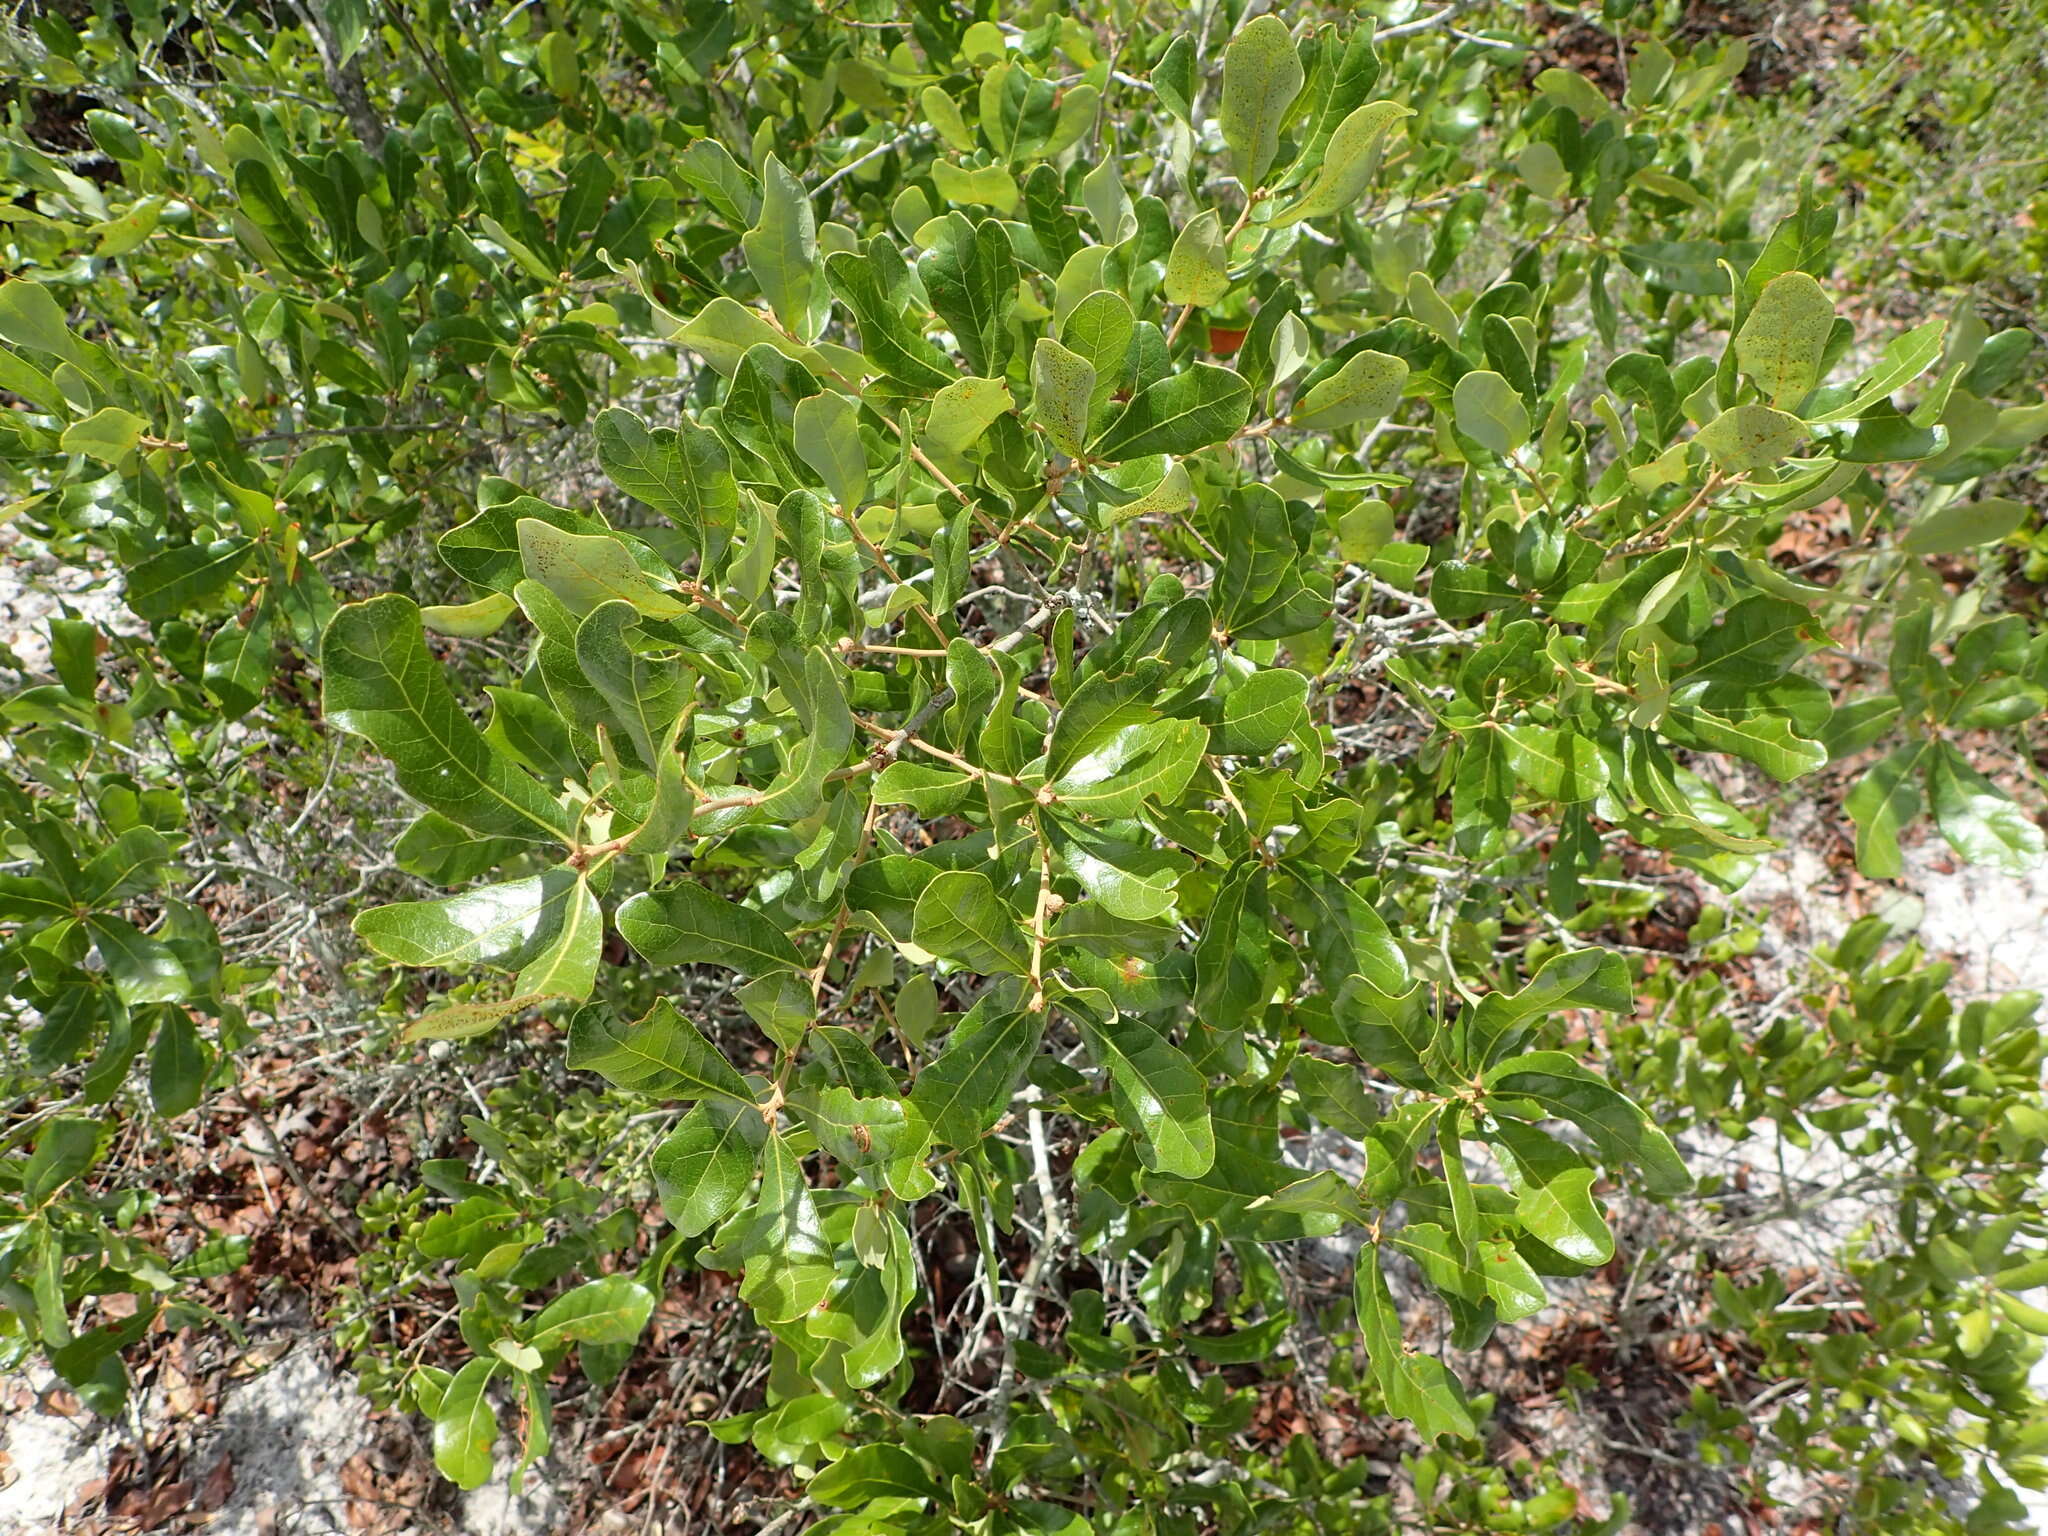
(663, 1053)
(144, 969)
(186, 577)
(705, 1166)
(687, 925)
(1620, 1131)
(612, 1309)
(1158, 1094)
(1416, 1386)
(466, 1426)
(1980, 821)
(682, 472)
(1134, 764)
(1179, 414)
(109, 434)
(1261, 712)
(967, 1087)
(380, 683)
(502, 925)
(961, 918)
(782, 1242)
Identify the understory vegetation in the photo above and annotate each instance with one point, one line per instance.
(898, 768)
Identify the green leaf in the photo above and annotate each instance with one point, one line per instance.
(662, 1054)
(886, 337)
(1346, 935)
(826, 429)
(567, 967)
(381, 684)
(144, 969)
(1553, 1192)
(989, 186)
(65, 1148)
(1768, 740)
(703, 1168)
(782, 252)
(502, 925)
(1133, 881)
(466, 1426)
(961, 414)
(108, 434)
(584, 570)
(944, 114)
(683, 472)
(687, 925)
(966, 1089)
(863, 1131)
(1416, 1387)
(1750, 437)
(1980, 821)
(1198, 267)
(1260, 713)
(1135, 764)
(31, 317)
(463, 1021)
(1262, 75)
(1159, 1096)
(723, 332)
(1782, 342)
(732, 191)
(1100, 706)
(240, 659)
(186, 577)
(929, 791)
(1882, 804)
(1964, 525)
(610, 1310)
(1490, 412)
(877, 1470)
(470, 621)
(788, 1260)
(178, 1064)
(1062, 388)
(1179, 414)
(961, 918)
(646, 694)
(1109, 204)
(970, 274)
(1904, 360)
(1558, 765)
(1366, 388)
(1584, 978)
(1350, 159)
(1620, 1131)
(1098, 330)
(1491, 1272)
(1173, 78)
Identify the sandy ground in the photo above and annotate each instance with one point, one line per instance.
(274, 1457)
